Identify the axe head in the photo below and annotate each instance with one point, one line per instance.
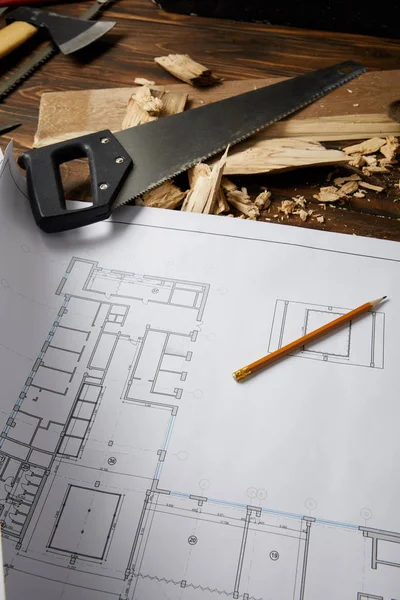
(68, 33)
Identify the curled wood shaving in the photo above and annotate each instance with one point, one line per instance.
(390, 149)
(359, 194)
(367, 147)
(369, 186)
(303, 214)
(143, 81)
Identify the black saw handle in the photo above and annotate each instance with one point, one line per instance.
(109, 165)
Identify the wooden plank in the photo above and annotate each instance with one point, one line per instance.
(356, 114)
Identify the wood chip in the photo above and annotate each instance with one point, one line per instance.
(342, 180)
(166, 195)
(328, 194)
(321, 219)
(369, 186)
(269, 155)
(143, 81)
(367, 147)
(186, 69)
(349, 187)
(303, 214)
(205, 186)
(136, 113)
(374, 169)
(240, 200)
(370, 160)
(228, 185)
(390, 149)
(287, 207)
(263, 200)
(359, 194)
(357, 160)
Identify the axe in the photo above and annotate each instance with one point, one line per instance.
(68, 33)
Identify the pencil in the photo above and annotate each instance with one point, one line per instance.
(313, 336)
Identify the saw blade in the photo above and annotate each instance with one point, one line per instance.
(42, 56)
(164, 148)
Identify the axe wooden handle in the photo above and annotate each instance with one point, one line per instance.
(14, 35)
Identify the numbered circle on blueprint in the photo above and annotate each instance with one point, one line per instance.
(155, 291)
(192, 539)
(5, 283)
(366, 513)
(198, 394)
(274, 555)
(252, 492)
(25, 248)
(112, 460)
(261, 494)
(182, 455)
(204, 484)
(310, 504)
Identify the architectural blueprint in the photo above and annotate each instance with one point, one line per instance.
(133, 466)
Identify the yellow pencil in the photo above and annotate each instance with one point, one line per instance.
(313, 336)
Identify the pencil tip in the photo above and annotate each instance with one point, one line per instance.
(383, 297)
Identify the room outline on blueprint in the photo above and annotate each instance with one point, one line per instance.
(83, 503)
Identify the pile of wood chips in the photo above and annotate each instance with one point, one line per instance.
(211, 192)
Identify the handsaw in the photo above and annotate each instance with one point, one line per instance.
(126, 164)
(43, 55)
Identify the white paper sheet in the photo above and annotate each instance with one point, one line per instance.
(133, 466)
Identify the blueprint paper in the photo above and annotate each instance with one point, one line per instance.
(133, 466)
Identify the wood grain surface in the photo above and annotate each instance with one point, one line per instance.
(232, 50)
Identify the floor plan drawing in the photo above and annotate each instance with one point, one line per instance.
(360, 343)
(134, 467)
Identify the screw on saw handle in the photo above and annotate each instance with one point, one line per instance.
(109, 165)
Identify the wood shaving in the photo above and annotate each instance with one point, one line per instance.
(349, 187)
(370, 160)
(328, 194)
(359, 194)
(143, 81)
(342, 180)
(166, 195)
(300, 201)
(303, 214)
(321, 219)
(228, 185)
(390, 149)
(368, 147)
(374, 169)
(147, 102)
(357, 160)
(240, 200)
(263, 200)
(287, 207)
(205, 187)
(370, 186)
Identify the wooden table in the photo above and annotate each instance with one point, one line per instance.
(232, 50)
